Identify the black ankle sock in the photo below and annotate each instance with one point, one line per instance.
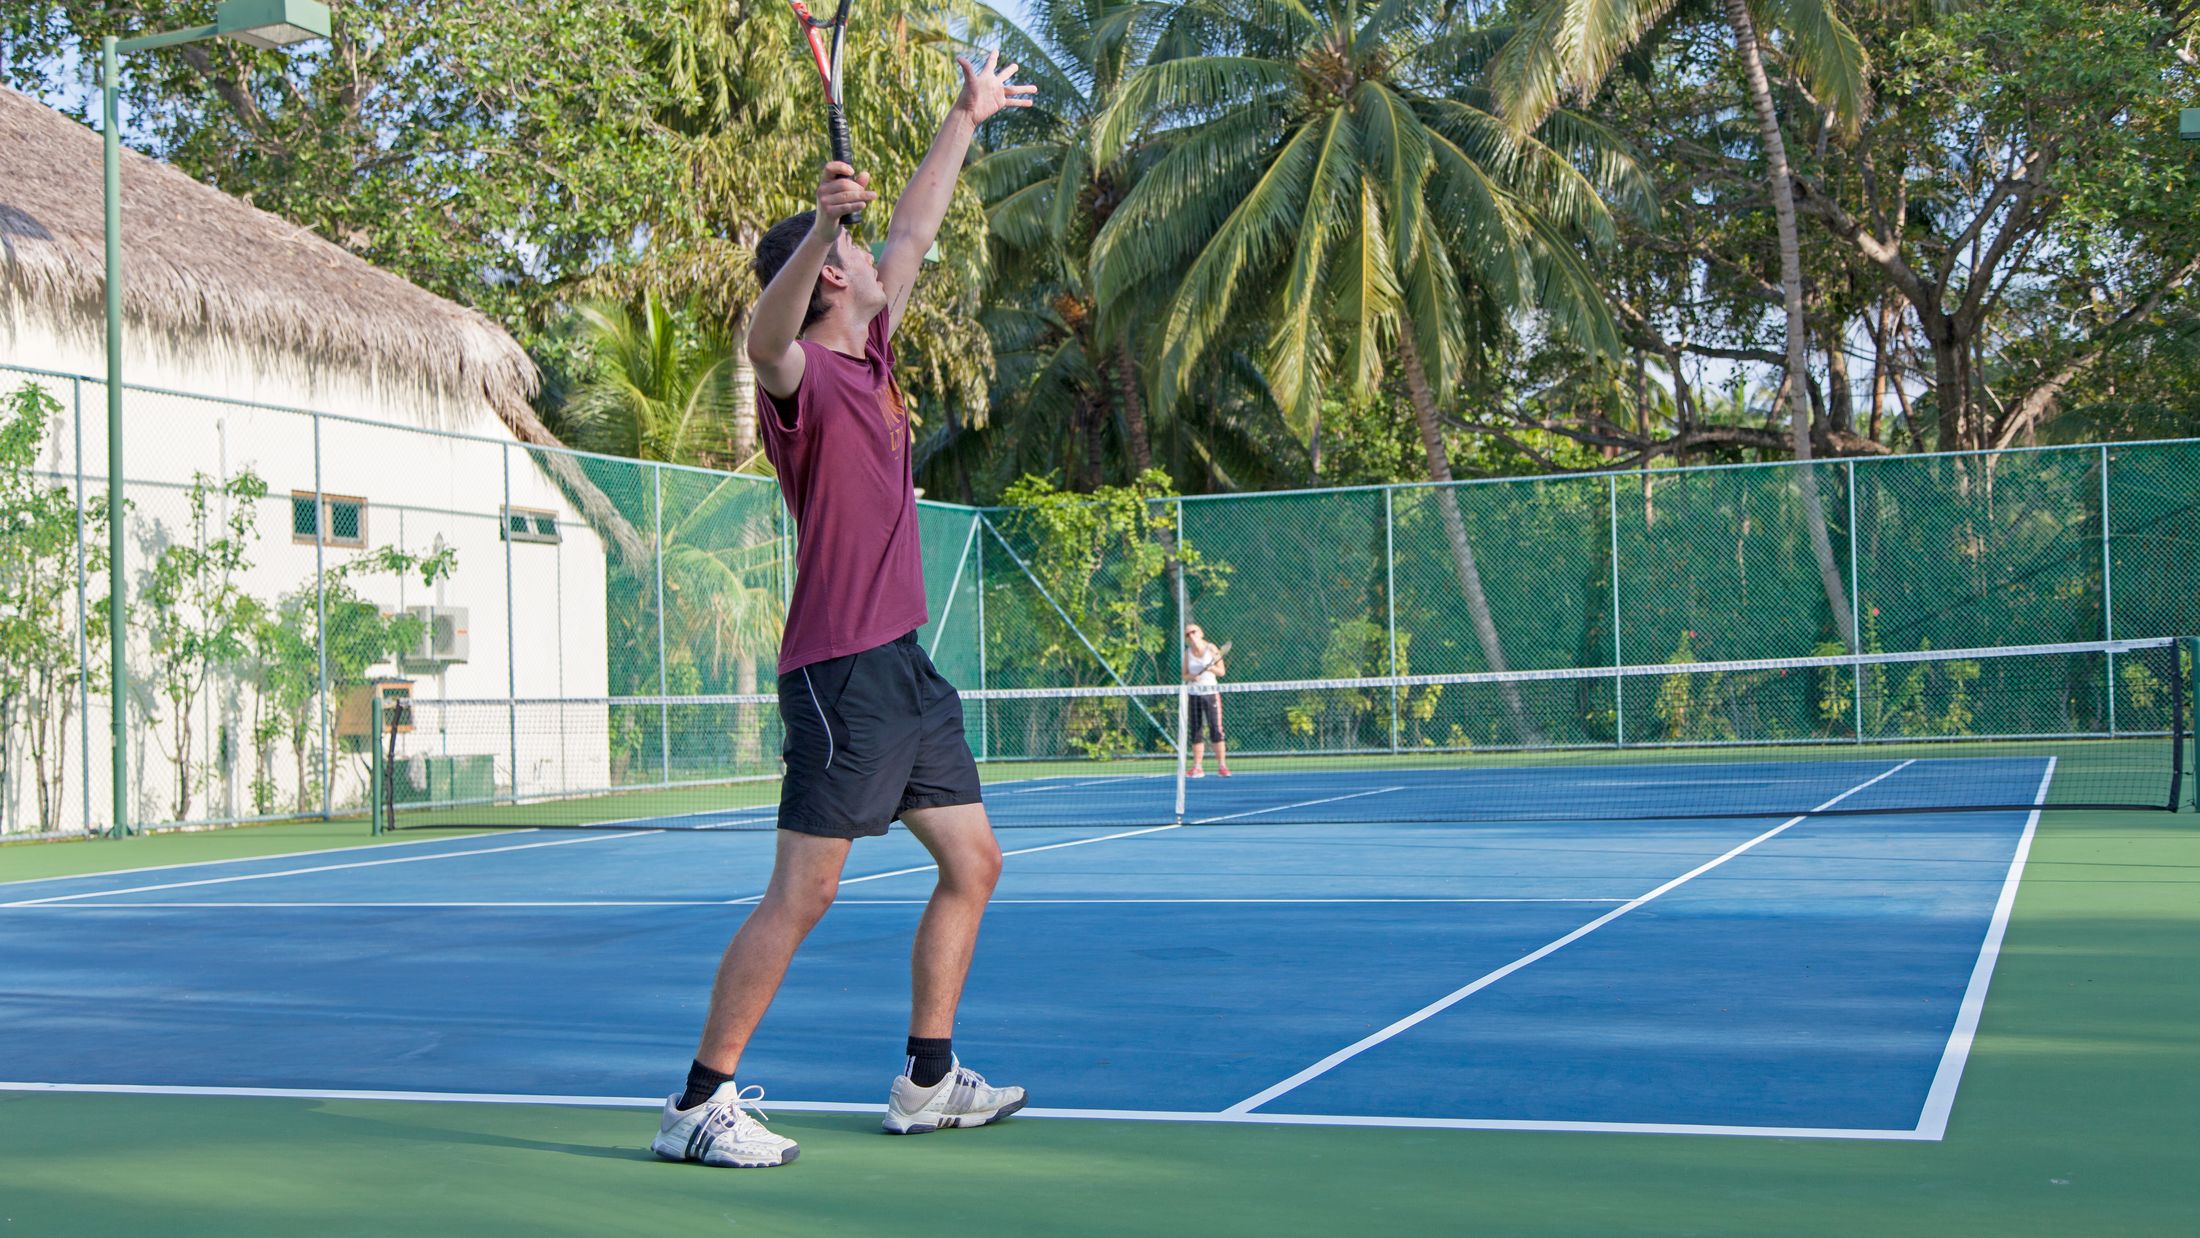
(702, 1082)
(930, 1058)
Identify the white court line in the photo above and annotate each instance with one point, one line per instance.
(326, 868)
(1068, 786)
(1456, 996)
(1940, 1100)
(1255, 812)
(484, 832)
(926, 868)
(1104, 1115)
(845, 902)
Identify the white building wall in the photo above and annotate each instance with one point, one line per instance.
(422, 488)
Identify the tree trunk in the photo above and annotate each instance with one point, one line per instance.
(744, 398)
(1134, 411)
(1840, 397)
(182, 707)
(298, 755)
(1882, 358)
(1096, 432)
(748, 743)
(1791, 290)
(1455, 531)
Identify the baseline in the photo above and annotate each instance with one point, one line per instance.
(1226, 1117)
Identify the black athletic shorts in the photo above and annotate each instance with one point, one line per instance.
(870, 736)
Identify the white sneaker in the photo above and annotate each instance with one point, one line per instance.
(963, 1098)
(721, 1131)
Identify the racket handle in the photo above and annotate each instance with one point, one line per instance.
(836, 126)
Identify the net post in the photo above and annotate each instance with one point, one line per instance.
(1619, 681)
(1390, 602)
(1183, 698)
(376, 769)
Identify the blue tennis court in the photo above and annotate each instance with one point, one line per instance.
(1800, 975)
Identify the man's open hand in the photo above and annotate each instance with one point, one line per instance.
(986, 91)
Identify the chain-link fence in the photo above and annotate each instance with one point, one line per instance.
(281, 563)
(1651, 567)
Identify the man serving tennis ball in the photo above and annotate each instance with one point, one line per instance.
(872, 730)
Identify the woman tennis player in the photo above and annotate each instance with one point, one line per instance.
(873, 733)
(1204, 669)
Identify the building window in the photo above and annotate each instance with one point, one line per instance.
(528, 524)
(343, 522)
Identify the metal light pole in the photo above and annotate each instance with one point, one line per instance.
(261, 23)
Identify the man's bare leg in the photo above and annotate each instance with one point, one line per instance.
(931, 1095)
(805, 877)
(961, 841)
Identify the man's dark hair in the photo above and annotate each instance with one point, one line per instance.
(779, 244)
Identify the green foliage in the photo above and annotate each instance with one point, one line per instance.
(325, 616)
(193, 611)
(1101, 557)
(41, 679)
(1106, 559)
(490, 152)
(661, 387)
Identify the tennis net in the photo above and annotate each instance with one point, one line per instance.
(2095, 724)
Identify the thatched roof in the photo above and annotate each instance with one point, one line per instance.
(198, 261)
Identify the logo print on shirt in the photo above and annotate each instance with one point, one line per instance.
(895, 413)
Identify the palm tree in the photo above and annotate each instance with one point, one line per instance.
(723, 562)
(662, 387)
(657, 389)
(1322, 170)
(1568, 46)
(1046, 197)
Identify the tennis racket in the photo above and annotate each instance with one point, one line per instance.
(825, 42)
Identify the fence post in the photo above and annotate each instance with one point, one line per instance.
(83, 611)
(2108, 592)
(1390, 603)
(985, 708)
(375, 770)
(1619, 681)
(320, 619)
(511, 636)
(1183, 594)
(664, 711)
(1856, 606)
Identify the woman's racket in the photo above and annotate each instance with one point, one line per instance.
(827, 56)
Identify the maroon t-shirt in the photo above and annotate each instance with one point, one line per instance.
(841, 446)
